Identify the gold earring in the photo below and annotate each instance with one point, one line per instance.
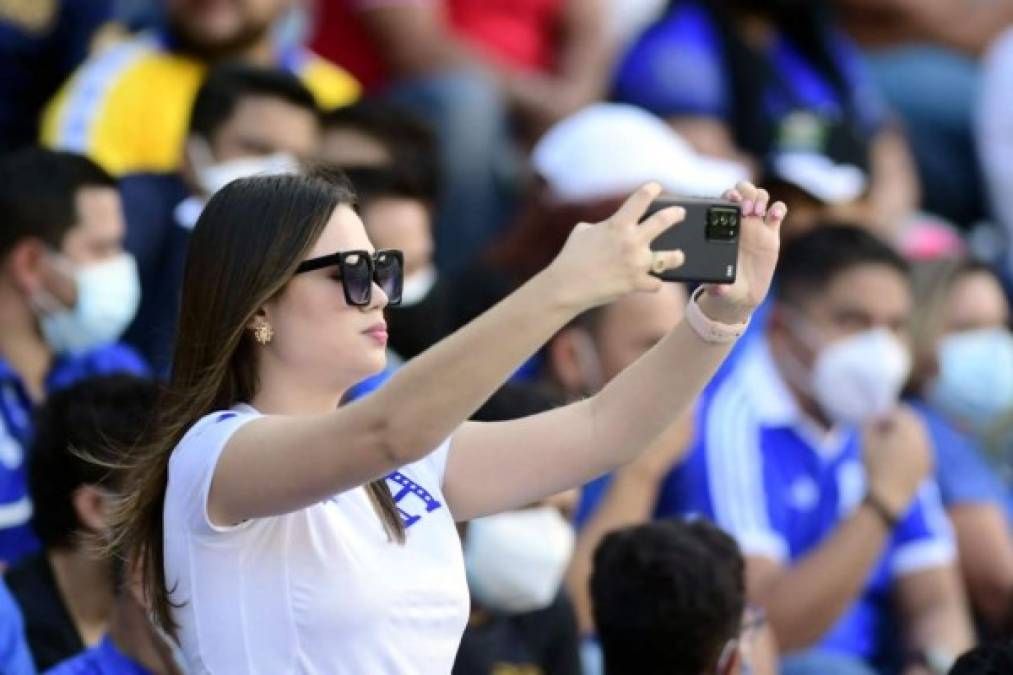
(262, 331)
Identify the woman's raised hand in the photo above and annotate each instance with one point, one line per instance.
(759, 242)
(604, 261)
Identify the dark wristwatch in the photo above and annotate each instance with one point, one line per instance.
(889, 518)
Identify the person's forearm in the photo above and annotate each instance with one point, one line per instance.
(805, 600)
(646, 398)
(436, 391)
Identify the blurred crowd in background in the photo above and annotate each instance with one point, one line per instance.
(874, 386)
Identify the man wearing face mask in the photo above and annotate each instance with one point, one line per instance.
(246, 120)
(805, 455)
(67, 292)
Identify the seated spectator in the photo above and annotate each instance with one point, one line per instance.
(994, 139)
(128, 106)
(378, 133)
(15, 659)
(669, 599)
(521, 619)
(397, 212)
(477, 71)
(704, 62)
(803, 453)
(989, 659)
(964, 374)
(67, 291)
(907, 44)
(245, 120)
(41, 43)
(67, 591)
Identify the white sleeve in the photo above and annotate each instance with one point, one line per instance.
(192, 466)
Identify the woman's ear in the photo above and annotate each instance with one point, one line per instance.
(564, 363)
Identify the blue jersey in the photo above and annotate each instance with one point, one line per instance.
(770, 477)
(102, 659)
(678, 68)
(16, 408)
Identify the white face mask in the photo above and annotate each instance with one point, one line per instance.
(859, 379)
(515, 561)
(108, 294)
(213, 176)
(975, 382)
(417, 286)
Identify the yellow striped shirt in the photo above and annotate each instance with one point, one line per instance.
(128, 107)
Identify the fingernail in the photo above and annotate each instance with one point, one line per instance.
(747, 207)
(777, 211)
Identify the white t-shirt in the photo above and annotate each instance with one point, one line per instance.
(321, 590)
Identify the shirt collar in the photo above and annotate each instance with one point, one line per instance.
(776, 406)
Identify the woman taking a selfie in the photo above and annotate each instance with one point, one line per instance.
(280, 533)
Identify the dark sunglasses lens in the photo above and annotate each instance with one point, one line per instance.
(390, 277)
(358, 283)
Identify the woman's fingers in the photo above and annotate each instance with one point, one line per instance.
(663, 261)
(776, 214)
(760, 201)
(652, 228)
(635, 205)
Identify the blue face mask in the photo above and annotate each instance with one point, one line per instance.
(975, 383)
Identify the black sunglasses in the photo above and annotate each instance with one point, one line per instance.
(359, 270)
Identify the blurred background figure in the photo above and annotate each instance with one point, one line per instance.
(669, 598)
(246, 120)
(397, 208)
(41, 43)
(67, 592)
(128, 107)
(485, 75)
(963, 374)
(910, 43)
(704, 62)
(988, 659)
(67, 292)
(994, 141)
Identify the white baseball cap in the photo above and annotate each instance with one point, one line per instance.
(609, 149)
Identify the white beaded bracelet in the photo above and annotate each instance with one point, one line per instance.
(707, 328)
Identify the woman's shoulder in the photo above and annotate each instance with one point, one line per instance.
(205, 439)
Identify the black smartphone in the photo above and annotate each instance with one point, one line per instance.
(709, 236)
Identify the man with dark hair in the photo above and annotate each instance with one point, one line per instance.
(67, 591)
(67, 291)
(669, 598)
(803, 452)
(127, 106)
(396, 206)
(246, 120)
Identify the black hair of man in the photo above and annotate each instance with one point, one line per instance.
(667, 596)
(38, 194)
(379, 182)
(989, 659)
(410, 140)
(811, 262)
(83, 431)
(228, 84)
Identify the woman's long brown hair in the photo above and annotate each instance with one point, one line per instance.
(245, 248)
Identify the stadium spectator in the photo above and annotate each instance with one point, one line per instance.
(67, 291)
(397, 212)
(964, 375)
(705, 63)
(127, 107)
(246, 120)
(478, 71)
(802, 453)
(669, 599)
(67, 591)
(41, 43)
